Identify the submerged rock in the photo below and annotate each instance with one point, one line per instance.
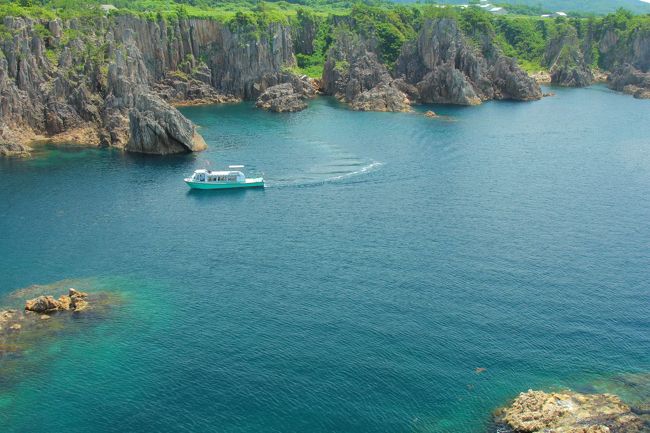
(569, 412)
(76, 293)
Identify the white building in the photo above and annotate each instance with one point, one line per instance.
(555, 15)
(107, 8)
(498, 11)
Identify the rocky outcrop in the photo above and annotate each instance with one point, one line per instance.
(446, 67)
(290, 96)
(15, 150)
(511, 82)
(156, 127)
(628, 61)
(354, 74)
(630, 80)
(281, 98)
(568, 412)
(566, 61)
(181, 89)
(383, 97)
(26, 326)
(74, 301)
(112, 82)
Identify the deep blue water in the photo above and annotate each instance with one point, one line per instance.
(390, 256)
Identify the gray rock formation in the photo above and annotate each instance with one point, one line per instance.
(194, 89)
(290, 96)
(446, 68)
(628, 79)
(382, 97)
(628, 62)
(74, 301)
(565, 59)
(90, 88)
(354, 74)
(281, 98)
(156, 127)
(15, 150)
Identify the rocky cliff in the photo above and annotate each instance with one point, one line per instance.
(354, 74)
(109, 81)
(441, 66)
(628, 60)
(112, 80)
(565, 59)
(447, 66)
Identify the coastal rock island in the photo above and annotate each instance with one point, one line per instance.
(42, 315)
(73, 301)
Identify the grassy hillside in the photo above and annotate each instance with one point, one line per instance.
(389, 24)
(581, 7)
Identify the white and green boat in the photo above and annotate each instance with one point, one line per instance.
(232, 178)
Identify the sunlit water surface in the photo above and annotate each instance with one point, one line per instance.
(388, 258)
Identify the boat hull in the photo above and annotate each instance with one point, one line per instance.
(250, 183)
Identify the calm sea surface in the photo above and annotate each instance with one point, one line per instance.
(390, 256)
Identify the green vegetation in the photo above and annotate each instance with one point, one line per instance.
(522, 33)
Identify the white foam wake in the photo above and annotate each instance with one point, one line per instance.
(314, 178)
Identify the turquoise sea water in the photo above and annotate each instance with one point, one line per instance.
(390, 256)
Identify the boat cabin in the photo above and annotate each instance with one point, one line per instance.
(218, 176)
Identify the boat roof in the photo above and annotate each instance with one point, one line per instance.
(218, 173)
